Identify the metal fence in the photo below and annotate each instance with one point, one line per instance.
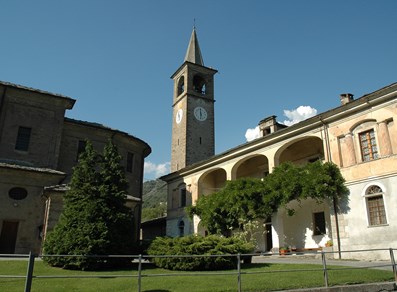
(140, 260)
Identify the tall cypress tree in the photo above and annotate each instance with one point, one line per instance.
(95, 220)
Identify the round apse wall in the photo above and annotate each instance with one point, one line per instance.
(18, 193)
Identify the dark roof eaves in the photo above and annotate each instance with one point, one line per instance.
(147, 151)
(198, 65)
(57, 95)
(31, 168)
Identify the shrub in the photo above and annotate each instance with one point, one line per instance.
(198, 245)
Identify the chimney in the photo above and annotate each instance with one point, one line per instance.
(346, 98)
(268, 126)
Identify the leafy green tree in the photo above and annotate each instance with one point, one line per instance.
(244, 200)
(224, 210)
(95, 220)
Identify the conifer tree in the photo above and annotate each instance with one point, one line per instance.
(95, 220)
(113, 190)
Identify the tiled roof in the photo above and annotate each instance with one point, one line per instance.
(30, 168)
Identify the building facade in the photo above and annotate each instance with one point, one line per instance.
(38, 148)
(359, 136)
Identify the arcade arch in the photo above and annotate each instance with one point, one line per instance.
(256, 166)
(211, 181)
(301, 151)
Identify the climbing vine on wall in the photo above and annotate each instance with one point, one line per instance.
(247, 199)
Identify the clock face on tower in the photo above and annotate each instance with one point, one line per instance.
(179, 115)
(200, 113)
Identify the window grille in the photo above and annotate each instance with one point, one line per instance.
(23, 139)
(375, 206)
(369, 149)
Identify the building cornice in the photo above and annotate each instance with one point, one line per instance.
(363, 103)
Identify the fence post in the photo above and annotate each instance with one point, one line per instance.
(29, 272)
(239, 272)
(324, 269)
(393, 263)
(139, 272)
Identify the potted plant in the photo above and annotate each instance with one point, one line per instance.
(284, 250)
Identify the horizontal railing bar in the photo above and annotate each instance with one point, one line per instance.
(187, 255)
(85, 276)
(8, 255)
(190, 274)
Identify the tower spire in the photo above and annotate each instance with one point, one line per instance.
(193, 53)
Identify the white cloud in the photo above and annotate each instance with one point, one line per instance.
(299, 114)
(294, 116)
(252, 134)
(153, 171)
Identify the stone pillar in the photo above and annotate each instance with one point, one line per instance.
(229, 175)
(350, 153)
(271, 163)
(384, 139)
(277, 231)
(347, 154)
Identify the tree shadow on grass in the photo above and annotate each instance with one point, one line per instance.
(255, 266)
(156, 290)
(132, 267)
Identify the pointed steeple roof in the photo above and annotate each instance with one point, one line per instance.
(193, 53)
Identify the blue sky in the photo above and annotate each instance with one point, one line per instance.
(116, 58)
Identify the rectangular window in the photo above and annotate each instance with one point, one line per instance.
(369, 150)
(23, 138)
(80, 148)
(319, 223)
(376, 210)
(130, 162)
(183, 197)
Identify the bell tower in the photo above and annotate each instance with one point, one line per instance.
(193, 133)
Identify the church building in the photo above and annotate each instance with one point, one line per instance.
(38, 148)
(359, 136)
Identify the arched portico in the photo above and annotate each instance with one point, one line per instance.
(301, 151)
(309, 213)
(211, 181)
(251, 166)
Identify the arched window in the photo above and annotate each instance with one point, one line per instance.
(375, 206)
(17, 193)
(181, 85)
(181, 228)
(199, 84)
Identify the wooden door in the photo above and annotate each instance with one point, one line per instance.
(269, 239)
(8, 237)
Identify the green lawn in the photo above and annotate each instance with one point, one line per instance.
(264, 278)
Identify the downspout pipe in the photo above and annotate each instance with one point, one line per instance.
(335, 201)
(335, 198)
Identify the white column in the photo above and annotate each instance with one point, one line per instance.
(277, 230)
